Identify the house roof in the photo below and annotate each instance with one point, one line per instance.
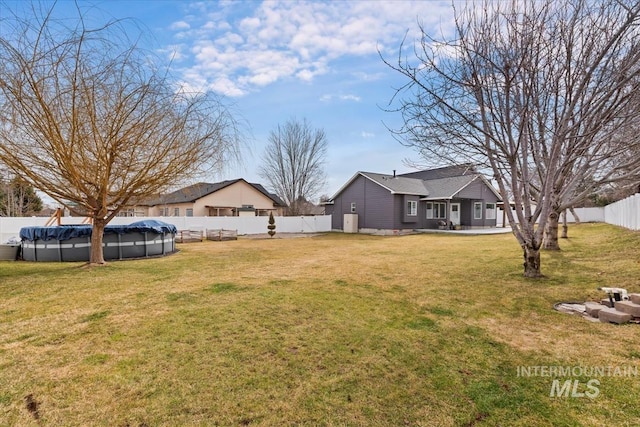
(277, 200)
(444, 172)
(436, 184)
(197, 191)
(397, 184)
(447, 188)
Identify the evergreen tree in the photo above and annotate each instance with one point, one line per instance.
(272, 225)
(17, 198)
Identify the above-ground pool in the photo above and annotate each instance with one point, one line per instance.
(73, 242)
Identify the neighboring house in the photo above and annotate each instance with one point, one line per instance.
(438, 198)
(306, 208)
(227, 198)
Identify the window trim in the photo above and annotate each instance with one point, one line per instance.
(412, 208)
(438, 210)
(491, 210)
(477, 210)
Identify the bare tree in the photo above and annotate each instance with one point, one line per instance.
(525, 89)
(90, 120)
(293, 163)
(611, 159)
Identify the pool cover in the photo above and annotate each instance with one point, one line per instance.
(66, 232)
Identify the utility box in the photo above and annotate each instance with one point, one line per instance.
(350, 223)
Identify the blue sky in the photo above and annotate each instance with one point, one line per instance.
(276, 60)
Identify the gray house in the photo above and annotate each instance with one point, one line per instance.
(455, 196)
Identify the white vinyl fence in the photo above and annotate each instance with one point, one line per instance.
(10, 227)
(625, 213)
(584, 214)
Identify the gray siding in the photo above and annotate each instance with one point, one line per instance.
(466, 212)
(410, 220)
(398, 213)
(374, 205)
(378, 208)
(476, 192)
(329, 210)
(433, 222)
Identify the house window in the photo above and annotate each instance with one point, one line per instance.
(436, 210)
(353, 207)
(412, 208)
(477, 210)
(491, 211)
(189, 212)
(176, 211)
(127, 212)
(164, 211)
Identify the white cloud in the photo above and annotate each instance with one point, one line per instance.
(173, 52)
(367, 134)
(329, 97)
(245, 46)
(180, 25)
(226, 87)
(306, 75)
(368, 77)
(230, 40)
(250, 24)
(350, 98)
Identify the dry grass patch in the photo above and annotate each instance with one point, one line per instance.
(332, 330)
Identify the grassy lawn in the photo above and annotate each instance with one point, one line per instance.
(336, 330)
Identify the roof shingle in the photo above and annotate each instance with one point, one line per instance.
(398, 184)
(196, 191)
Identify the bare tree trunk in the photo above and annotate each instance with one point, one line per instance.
(532, 262)
(575, 215)
(20, 202)
(565, 225)
(97, 256)
(551, 232)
